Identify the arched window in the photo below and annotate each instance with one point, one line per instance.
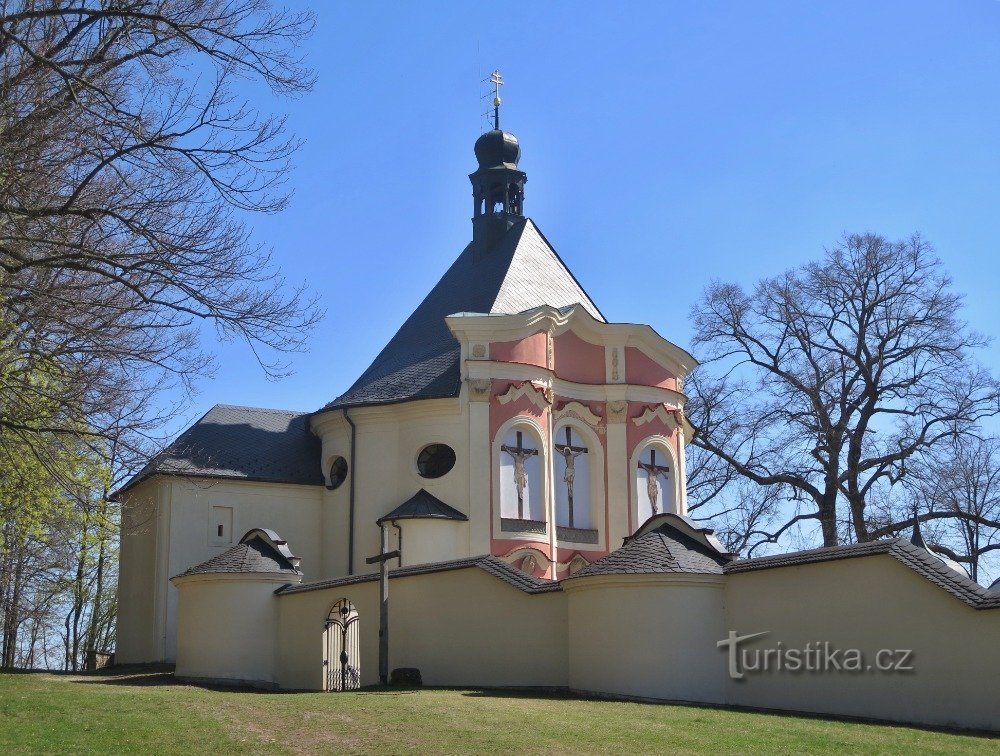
(521, 477)
(572, 479)
(654, 479)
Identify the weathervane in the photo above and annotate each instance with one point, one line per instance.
(497, 80)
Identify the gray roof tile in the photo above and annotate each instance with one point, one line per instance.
(252, 555)
(662, 550)
(245, 443)
(490, 564)
(421, 361)
(423, 505)
(916, 558)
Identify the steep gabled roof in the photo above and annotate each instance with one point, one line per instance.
(662, 550)
(242, 443)
(423, 506)
(421, 361)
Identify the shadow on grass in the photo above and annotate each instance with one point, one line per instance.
(694, 705)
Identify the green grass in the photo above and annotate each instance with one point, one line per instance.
(144, 711)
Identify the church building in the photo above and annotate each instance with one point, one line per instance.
(526, 459)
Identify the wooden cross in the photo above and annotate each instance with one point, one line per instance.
(383, 556)
(653, 470)
(497, 80)
(520, 453)
(570, 453)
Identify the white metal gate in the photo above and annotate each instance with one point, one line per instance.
(343, 651)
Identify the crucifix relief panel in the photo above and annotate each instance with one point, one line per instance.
(572, 479)
(521, 477)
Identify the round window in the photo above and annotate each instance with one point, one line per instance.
(435, 460)
(338, 472)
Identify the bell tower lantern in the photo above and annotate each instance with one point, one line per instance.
(497, 185)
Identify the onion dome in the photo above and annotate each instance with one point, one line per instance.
(497, 149)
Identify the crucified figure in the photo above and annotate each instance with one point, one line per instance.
(570, 453)
(519, 454)
(653, 471)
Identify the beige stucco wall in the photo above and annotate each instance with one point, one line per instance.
(870, 603)
(227, 627)
(461, 627)
(650, 636)
(432, 540)
(388, 440)
(176, 535)
(139, 634)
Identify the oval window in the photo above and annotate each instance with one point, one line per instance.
(435, 460)
(338, 472)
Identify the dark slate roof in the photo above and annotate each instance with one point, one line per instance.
(916, 558)
(662, 550)
(491, 564)
(423, 505)
(242, 443)
(520, 272)
(252, 555)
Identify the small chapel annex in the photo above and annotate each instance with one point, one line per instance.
(526, 458)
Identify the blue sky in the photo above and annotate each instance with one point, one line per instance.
(666, 144)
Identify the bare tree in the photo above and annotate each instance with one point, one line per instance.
(823, 382)
(960, 477)
(126, 165)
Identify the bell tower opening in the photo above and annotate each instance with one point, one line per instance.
(498, 184)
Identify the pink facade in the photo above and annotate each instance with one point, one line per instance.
(643, 371)
(578, 360)
(531, 350)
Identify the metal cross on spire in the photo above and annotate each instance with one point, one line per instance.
(497, 80)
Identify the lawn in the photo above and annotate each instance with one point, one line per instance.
(146, 711)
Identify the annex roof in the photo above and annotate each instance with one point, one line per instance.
(664, 549)
(423, 505)
(241, 443)
(916, 558)
(487, 563)
(259, 551)
(422, 360)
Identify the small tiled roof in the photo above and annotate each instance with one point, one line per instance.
(242, 443)
(251, 555)
(916, 558)
(421, 361)
(662, 550)
(423, 505)
(491, 564)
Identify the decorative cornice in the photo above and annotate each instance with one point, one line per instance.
(592, 392)
(540, 397)
(483, 327)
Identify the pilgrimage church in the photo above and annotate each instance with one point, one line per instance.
(516, 462)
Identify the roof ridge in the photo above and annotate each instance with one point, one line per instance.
(256, 409)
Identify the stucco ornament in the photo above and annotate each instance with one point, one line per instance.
(479, 389)
(479, 351)
(617, 411)
(614, 365)
(536, 395)
(658, 412)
